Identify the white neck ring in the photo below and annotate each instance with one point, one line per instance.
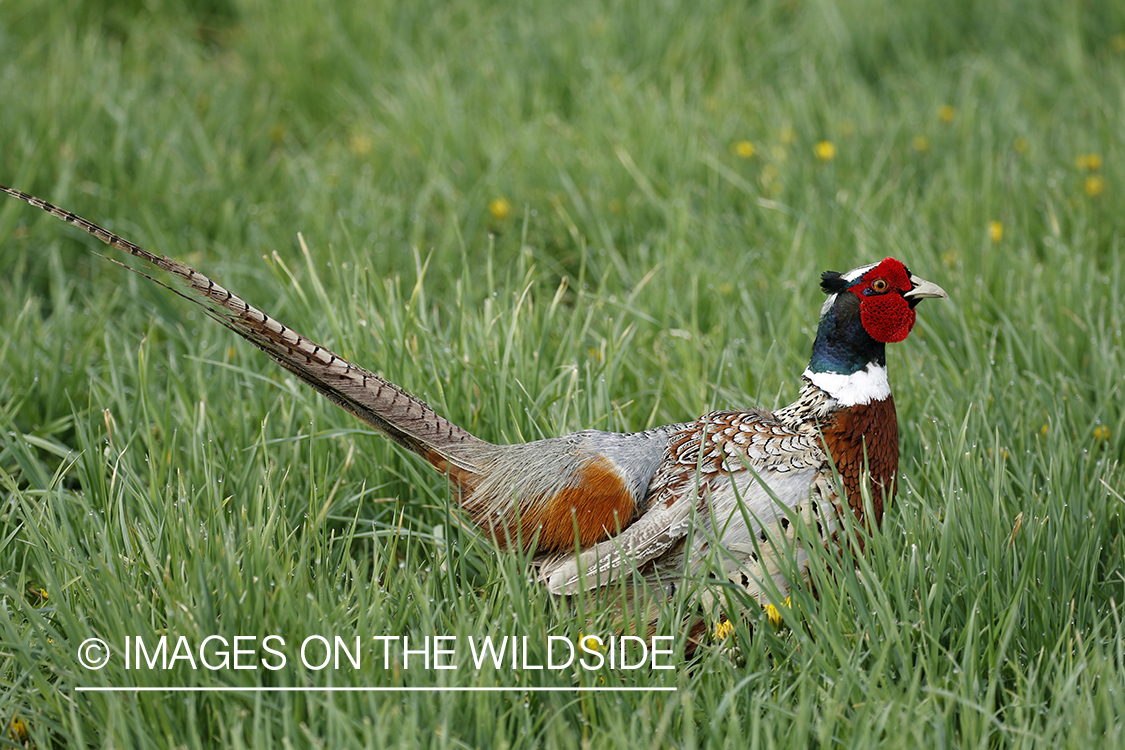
(859, 388)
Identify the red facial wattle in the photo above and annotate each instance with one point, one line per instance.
(886, 315)
(888, 318)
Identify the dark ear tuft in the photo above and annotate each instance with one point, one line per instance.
(833, 282)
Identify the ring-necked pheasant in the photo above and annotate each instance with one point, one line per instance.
(597, 505)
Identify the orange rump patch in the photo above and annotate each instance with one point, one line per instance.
(598, 505)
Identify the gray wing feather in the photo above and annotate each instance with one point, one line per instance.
(733, 476)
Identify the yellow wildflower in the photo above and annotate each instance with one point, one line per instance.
(774, 615)
(945, 113)
(359, 144)
(1020, 145)
(499, 208)
(825, 151)
(745, 149)
(1101, 432)
(995, 231)
(614, 206)
(1117, 42)
(921, 143)
(1095, 185)
(1089, 162)
(788, 135)
(1044, 430)
(17, 730)
(723, 630)
(590, 643)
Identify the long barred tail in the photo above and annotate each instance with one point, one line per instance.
(405, 419)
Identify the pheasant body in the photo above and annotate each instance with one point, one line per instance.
(734, 478)
(658, 504)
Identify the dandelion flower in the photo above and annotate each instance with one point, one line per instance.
(590, 643)
(17, 730)
(1101, 432)
(1095, 185)
(825, 151)
(745, 149)
(1088, 162)
(945, 113)
(1044, 430)
(774, 615)
(359, 144)
(995, 231)
(723, 630)
(921, 143)
(499, 208)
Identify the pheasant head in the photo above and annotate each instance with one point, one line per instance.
(867, 308)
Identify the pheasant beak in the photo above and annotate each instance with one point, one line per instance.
(922, 290)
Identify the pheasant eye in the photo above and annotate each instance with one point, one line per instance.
(879, 285)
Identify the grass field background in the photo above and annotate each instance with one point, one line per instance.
(541, 218)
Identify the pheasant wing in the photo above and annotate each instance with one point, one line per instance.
(726, 478)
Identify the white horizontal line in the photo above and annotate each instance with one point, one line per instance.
(375, 689)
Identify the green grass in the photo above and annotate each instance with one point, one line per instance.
(158, 476)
